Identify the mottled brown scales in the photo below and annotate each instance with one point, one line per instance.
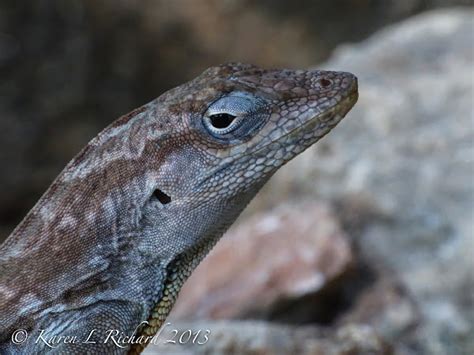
(100, 250)
(127, 117)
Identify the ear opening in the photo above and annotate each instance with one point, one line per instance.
(162, 197)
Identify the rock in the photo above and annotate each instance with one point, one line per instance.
(263, 338)
(400, 165)
(269, 261)
(386, 306)
(267, 269)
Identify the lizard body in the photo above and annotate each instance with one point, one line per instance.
(112, 240)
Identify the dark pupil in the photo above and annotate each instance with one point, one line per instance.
(221, 120)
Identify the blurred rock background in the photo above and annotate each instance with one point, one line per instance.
(364, 244)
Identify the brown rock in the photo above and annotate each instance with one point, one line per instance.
(276, 257)
(385, 305)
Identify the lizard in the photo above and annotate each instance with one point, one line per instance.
(112, 240)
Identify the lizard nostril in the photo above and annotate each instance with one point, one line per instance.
(162, 197)
(325, 82)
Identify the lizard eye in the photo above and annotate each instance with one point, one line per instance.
(234, 115)
(221, 123)
(226, 113)
(221, 120)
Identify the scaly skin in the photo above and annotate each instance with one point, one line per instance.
(113, 239)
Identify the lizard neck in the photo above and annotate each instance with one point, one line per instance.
(177, 273)
(181, 267)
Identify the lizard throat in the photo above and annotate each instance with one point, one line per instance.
(177, 273)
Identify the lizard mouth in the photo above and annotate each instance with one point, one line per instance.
(311, 128)
(316, 126)
(336, 113)
(309, 131)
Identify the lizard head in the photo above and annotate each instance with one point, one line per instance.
(235, 125)
(247, 122)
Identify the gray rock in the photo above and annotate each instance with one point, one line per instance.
(295, 265)
(406, 150)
